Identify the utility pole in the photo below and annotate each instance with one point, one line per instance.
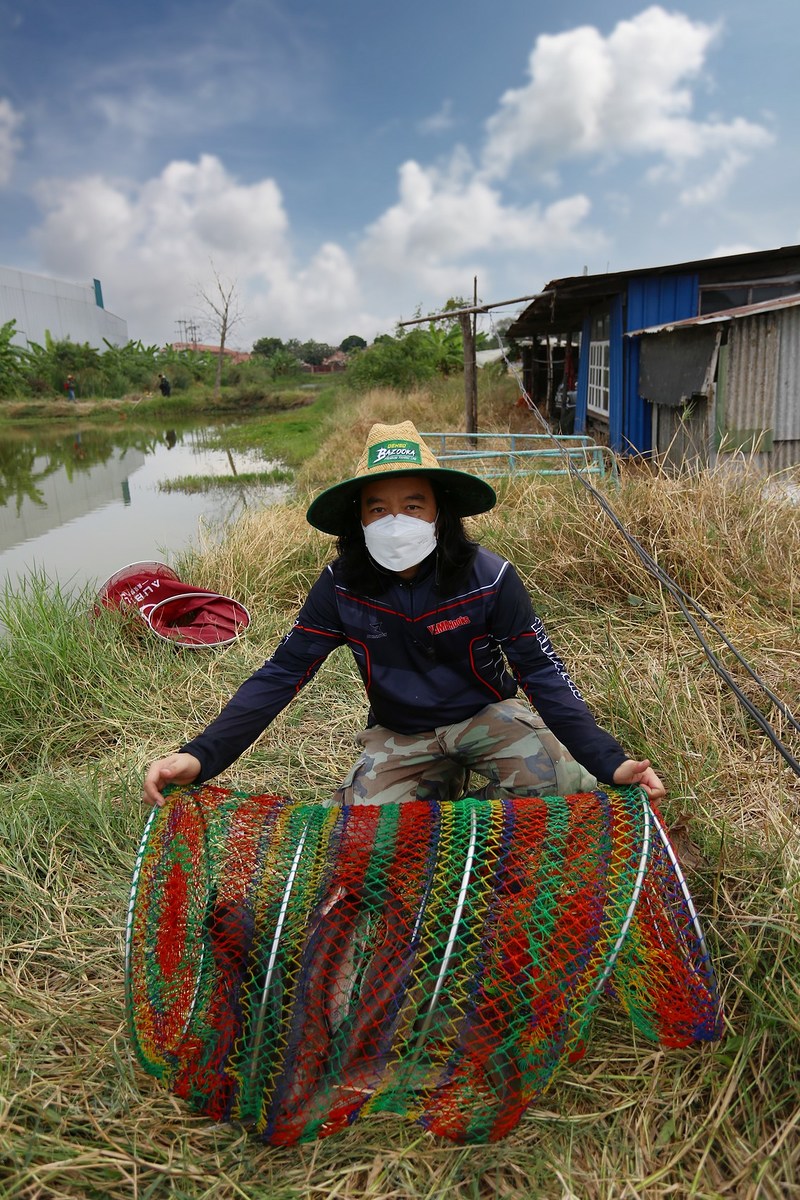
(187, 331)
(468, 322)
(468, 334)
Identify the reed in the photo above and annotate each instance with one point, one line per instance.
(88, 700)
(192, 485)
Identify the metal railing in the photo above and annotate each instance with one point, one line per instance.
(521, 453)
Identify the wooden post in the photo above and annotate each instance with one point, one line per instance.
(468, 323)
(548, 406)
(528, 371)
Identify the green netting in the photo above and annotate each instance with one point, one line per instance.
(295, 967)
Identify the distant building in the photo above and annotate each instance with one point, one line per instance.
(41, 305)
(334, 362)
(234, 356)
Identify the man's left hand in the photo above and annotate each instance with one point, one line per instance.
(643, 774)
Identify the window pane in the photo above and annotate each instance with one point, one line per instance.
(599, 357)
(716, 299)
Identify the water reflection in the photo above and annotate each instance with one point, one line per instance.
(79, 504)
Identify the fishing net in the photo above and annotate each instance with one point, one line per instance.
(295, 967)
(177, 612)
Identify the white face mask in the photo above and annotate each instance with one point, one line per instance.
(397, 543)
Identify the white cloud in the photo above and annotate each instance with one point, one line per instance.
(715, 186)
(589, 97)
(320, 300)
(152, 245)
(438, 122)
(445, 217)
(723, 251)
(625, 94)
(10, 120)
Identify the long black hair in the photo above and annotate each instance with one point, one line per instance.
(454, 550)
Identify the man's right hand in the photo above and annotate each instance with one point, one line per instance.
(175, 768)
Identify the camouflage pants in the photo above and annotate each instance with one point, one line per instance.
(507, 743)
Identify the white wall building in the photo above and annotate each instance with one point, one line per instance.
(65, 310)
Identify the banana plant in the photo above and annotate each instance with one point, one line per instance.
(13, 360)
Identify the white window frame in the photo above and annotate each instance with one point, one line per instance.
(599, 373)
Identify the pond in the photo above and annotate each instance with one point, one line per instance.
(77, 504)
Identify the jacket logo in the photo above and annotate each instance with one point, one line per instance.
(375, 629)
(446, 626)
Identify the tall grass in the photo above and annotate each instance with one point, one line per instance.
(87, 701)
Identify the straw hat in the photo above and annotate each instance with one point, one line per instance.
(398, 450)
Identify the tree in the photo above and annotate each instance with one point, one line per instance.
(500, 338)
(222, 310)
(453, 305)
(283, 362)
(267, 346)
(446, 346)
(315, 353)
(353, 342)
(12, 359)
(400, 362)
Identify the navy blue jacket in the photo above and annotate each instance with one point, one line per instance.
(426, 659)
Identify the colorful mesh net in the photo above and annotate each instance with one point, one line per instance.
(295, 967)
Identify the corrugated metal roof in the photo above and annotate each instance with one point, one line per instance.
(727, 314)
(566, 300)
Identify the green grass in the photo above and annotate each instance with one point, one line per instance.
(292, 436)
(280, 396)
(192, 484)
(88, 700)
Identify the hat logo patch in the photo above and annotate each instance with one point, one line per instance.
(394, 451)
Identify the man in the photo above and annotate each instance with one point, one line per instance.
(444, 635)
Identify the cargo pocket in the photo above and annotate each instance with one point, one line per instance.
(571, 776)
(568, 775)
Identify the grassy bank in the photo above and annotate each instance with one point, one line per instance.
(280, 397)
(87, 703)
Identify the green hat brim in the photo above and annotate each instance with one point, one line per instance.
(467, 495)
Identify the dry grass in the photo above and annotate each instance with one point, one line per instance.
(86, 705)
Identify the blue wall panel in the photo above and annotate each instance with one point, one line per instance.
(616, 382)
(652, 300)
(582, 386)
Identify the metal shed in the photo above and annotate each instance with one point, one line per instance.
(750, 395)
(725, 384)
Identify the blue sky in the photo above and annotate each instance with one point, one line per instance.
(345, 164)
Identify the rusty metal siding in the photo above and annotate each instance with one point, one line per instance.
(681, 436)
(784, 455)
(752, 373)
(787, 396)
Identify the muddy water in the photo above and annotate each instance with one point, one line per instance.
(78, 504)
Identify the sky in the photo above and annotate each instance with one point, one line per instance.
(343, 166)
